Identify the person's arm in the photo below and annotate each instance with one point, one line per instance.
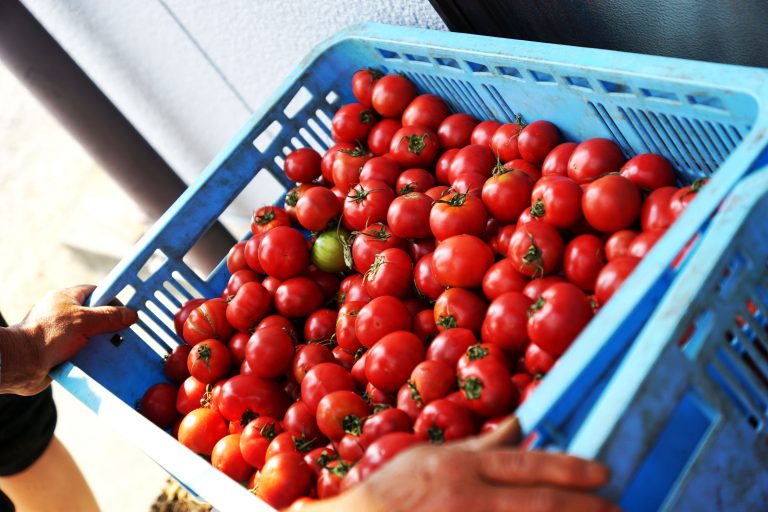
(53, 331)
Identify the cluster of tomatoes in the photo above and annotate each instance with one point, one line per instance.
(451, 262)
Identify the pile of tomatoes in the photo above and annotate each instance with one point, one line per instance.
(421, 278)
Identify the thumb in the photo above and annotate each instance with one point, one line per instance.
(508, 433)
(104, 319)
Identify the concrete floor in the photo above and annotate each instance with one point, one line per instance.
(64, 222)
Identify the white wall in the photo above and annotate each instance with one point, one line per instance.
(188, 73)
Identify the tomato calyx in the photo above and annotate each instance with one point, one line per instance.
(536, 306)
(435, 434)
(247, 417)
(375, 74)
(204, 353)
(447, 322)
(326, 458)
(268, 431)
(534, 257)
(263, 219)
(292, 197)
(378, 261)
(362, 350)
(380, 234)
(358, 195)
(416, 142)
(458, 199)
(302, 444)
(340, 469)
(407, 188)
(205, 400)
(366, 116)
(472, 387)
(695, 187)
(352, 424)
(415, 395)
(355, 152)
(537, 210)
(346, 250)
(380, 407)
(475, 352)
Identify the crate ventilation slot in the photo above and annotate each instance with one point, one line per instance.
(509, 72)
(505, 112)
(542, 77)
(447, 62)
(154, 263)
(388, 54)
(477, 67)
(578, 82)
(659, 95)
(297, 103)
(416, 58)
(615, 87)
(613, 128)
(265, 138)
(704, 100)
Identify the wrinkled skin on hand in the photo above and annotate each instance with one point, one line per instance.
(53, 331)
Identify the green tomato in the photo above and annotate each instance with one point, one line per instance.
(328, 251)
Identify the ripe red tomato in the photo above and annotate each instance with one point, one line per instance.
(457, 214)
(530, 388)
(316, 208)
(209, 320)
(683, 198)
(538, 361)
(367, 203)
(256, 437)
(535, 288)
(389, 363)
(251, 253)
(249, 306)
(504, 141)
(392, 94)
(175, 364)
(278, 321)
(381, 168)
(284, 478)
(408, 215)
(347, 166)
(299, 418)
(557, 200)
(502, 277)
(611, 203)
(226, 457)
(426, 110)
(379, 317)
(425, 280)
(376, 396)
(351, 448)
(507, 194)
(535, 248)
(644, 242)
(469, 183)
(323, 379)
(351, 123)
(528, 168)
(307, 357)
(649, 171)
(270, 352)
(500, 243)
(180, 318)
(421, 247)
(583, 259)
(290, 441)
(237, 280)
(158, 405)
(594, 158)
(298, 297)
(424, 325)
(268, 217)
(443, 166)
(406, 403)
(505, 322)
(283, 252)
(486, 387)
(320, 326)
(371, 241)
(201, 429)
(330, 478)
(431, 380)
(362, 84)
(244, 396)
(302, 165)
(209, 361)
(384, 422)
(346, 335)
(537, 140)
(414, 180)
(236, 258)
(461, 261)
(341, 412)
(618, 243)
(190, 395)
(483, 132)
(380, 136)
(473, 158)
(655, 213)
(455, 131)
(414, 146)
(558, 316)
(352, 288)
(457, 307)
(326, 164)
(444, 420)
(556, 162)
(378, 453)
(391, 274)
(327, 281)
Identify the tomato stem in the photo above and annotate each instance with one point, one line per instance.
(536, 306)
(534, 257)
(265, 218)
(475, 352)
(268, 431)
(302, 444)
(472, 387)
(415, 395)
(447, 322)
(204, 353)
(352, 425)
(537, 210)
(366, 116)
(416, 142)
(436, 434)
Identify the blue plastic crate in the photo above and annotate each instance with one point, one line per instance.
(683, 421)
(703, 117)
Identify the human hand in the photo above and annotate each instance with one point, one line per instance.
(481, 474)
(53, 331)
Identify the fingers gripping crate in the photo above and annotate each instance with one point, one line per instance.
(703, 117)
(683, 421)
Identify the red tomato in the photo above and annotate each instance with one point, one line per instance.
(226, 457)
(500, 243)
(344, 357)
(175, 364)
(392, 94)
(461, 261)
(245, 395)
(535, 248)
(270, 352)
(408, 215)
(329, 481)
(251, 253)
(583, 259)
(421, 247)
(352, 288)
(307, 357)
(267, 218)
(382, 169)
(284, 478)
(380, 136)
(320, 326)
(367, 203)
(346, 336)
(473, 158)
(237, 280)
(649, 171)
(158, 405)
(278, 321)
(329, 158)
(391, 274)
(655, 213)
(556, 162)
(502, 277)
(408, 404)
(302, 165)
(299, 418)
(255, 439)
(504, 141)
(457, 214)
(443, 167)
(535, 288)
(201, 429)
(376, 396)
(389, 363)
(444, 420)
(183, 313)
(486, 387)
(424, 325)
(505, 322)
(644, 242)
(431, 380)
(426, 110)
(209, 320)
(530, 388)
(557, 200)
(618, 244)
(450, 345)
(380, 452)
(414, 180)
(362, 85)
(522, 379)
(469, 183)
(292, 197)
(249, 306)
(683, 198)
(507, 194)
(283, 252)
(290, 441)
(538, 361)
(208, 361)
(323, 379)
(457, 307)
(483, 133)
(341, 412)
(537, 140)
(298, 297)
(236, 258)
(558, 316)
(379, 317)
(316, 209)
(528, 168)
(414, 146)
(384, 422)
(611, 203)
(352, 448)
(425, 280)
(347, 167)
(191, 393)
(358, 372)
(370, 242)
(351, 123)
(328, 282)
(455, 131)
(594, 158)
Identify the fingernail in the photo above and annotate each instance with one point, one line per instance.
(128, 316)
